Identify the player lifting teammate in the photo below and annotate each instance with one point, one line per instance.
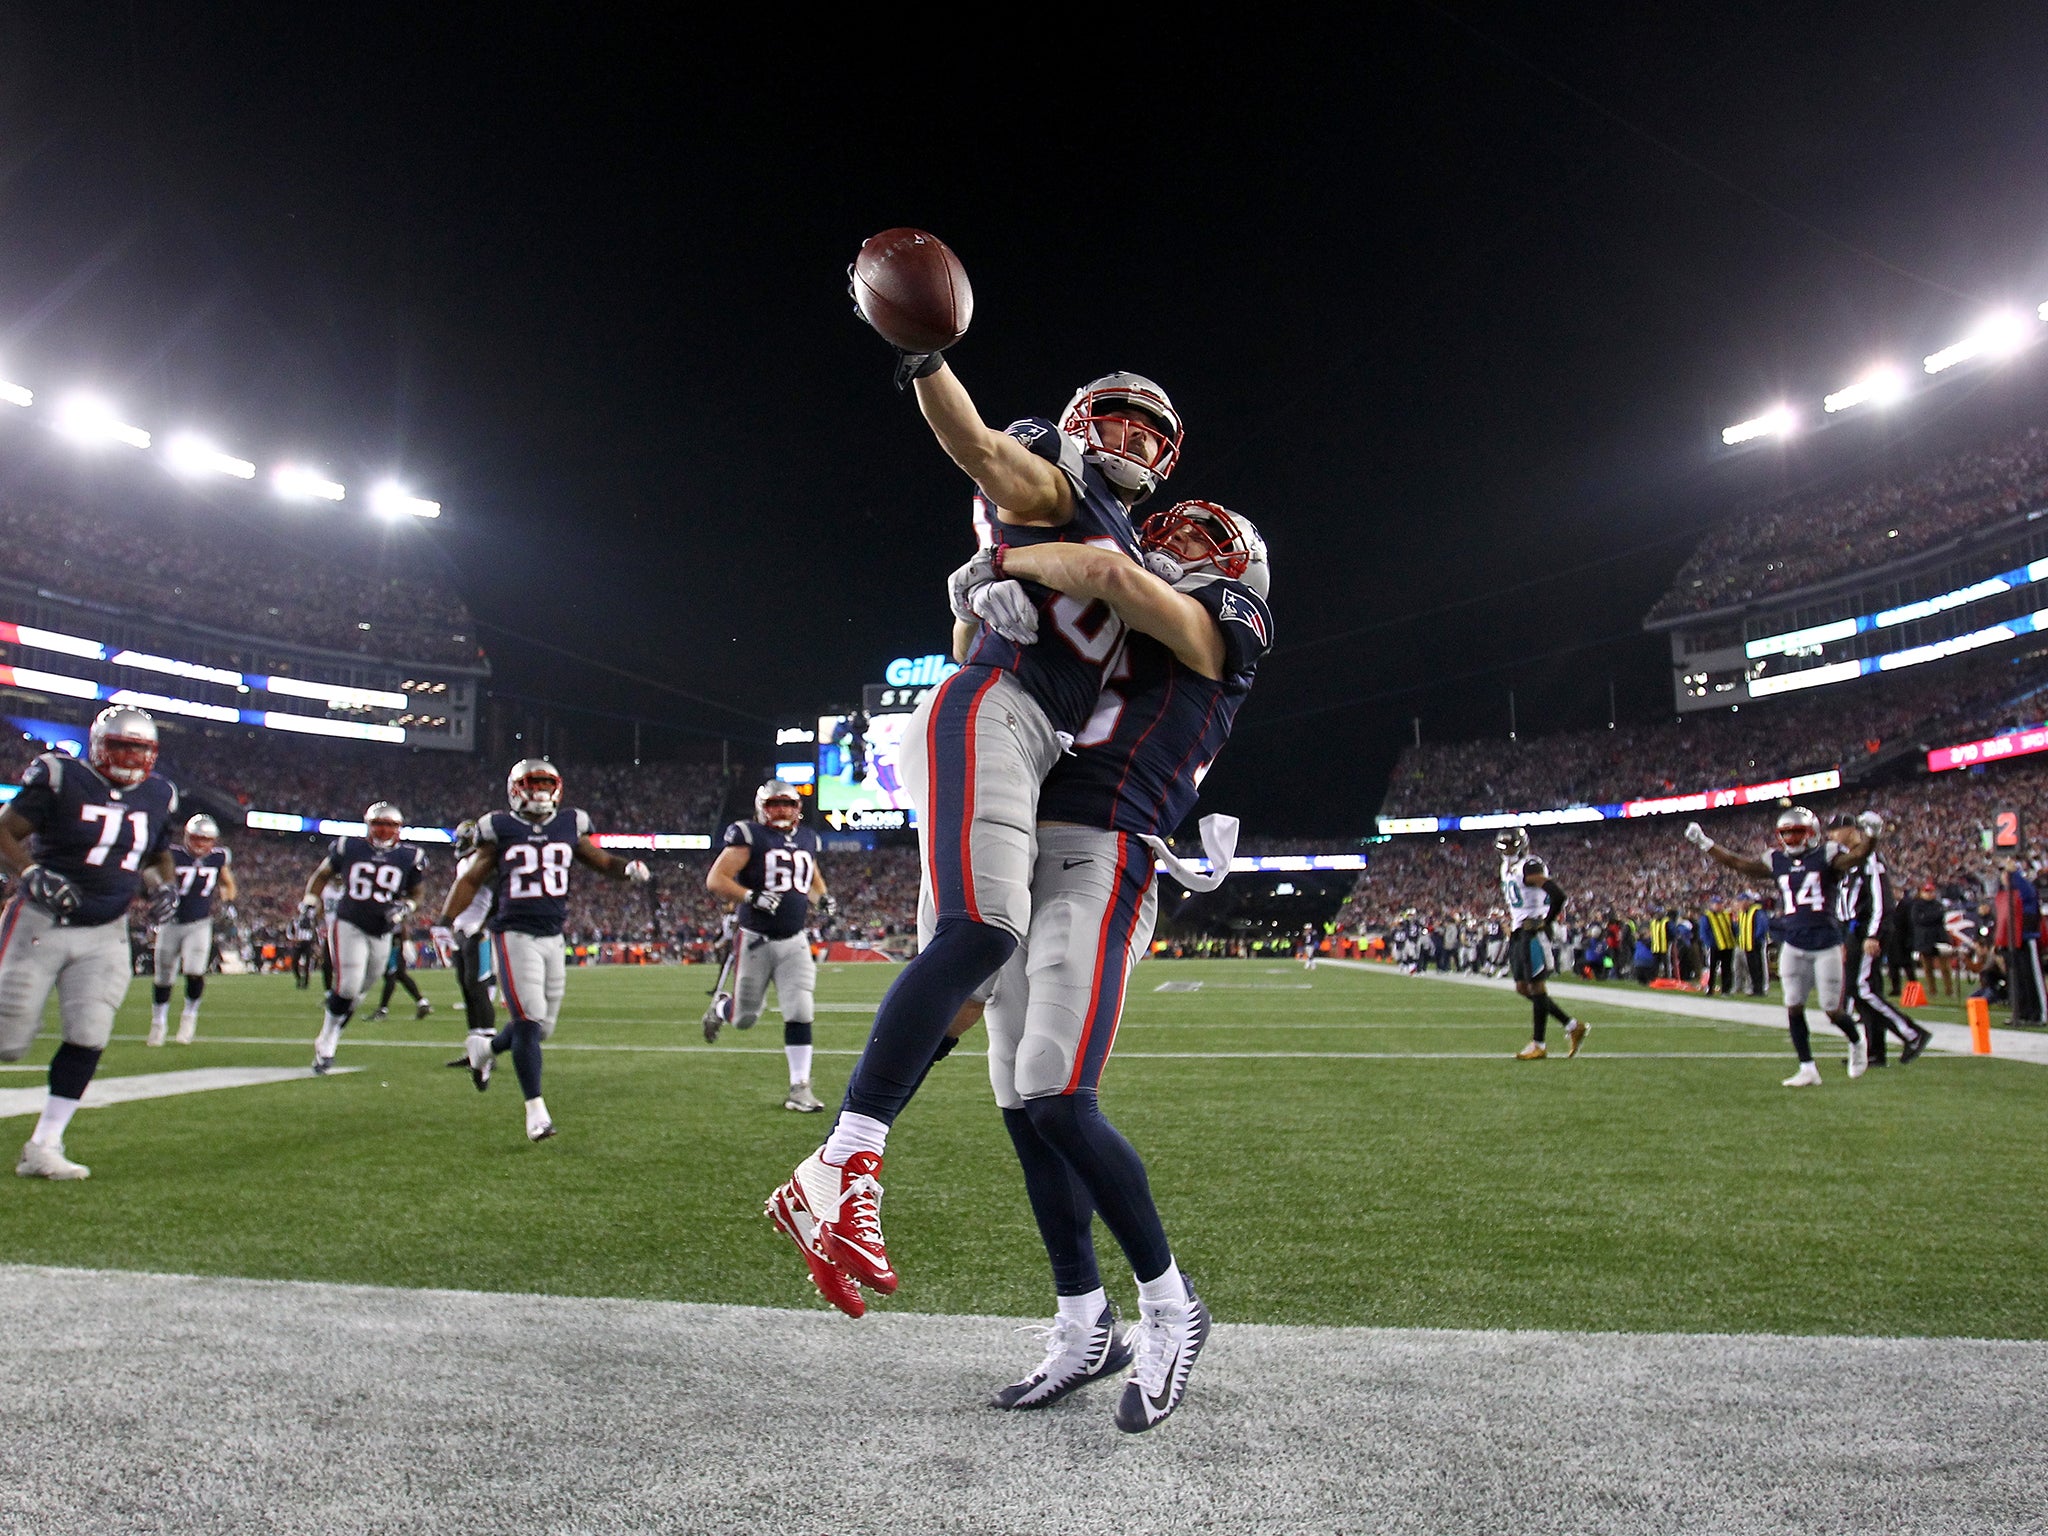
(79, 840)
(529, 851)
(977, 749)
(769, 866)
(1534, 902)
(375, 880)
(1164, 715)
(1806, 875)
(186, 942)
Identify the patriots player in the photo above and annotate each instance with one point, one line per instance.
(769, 866)
(1164, 716)
(1806, 874)
(1534, 901)
(185, 943)
(978, 748)
(375, 879)
(79, 841)
(528, 851)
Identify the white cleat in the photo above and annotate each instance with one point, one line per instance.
(1859, 1058)
(43, 1162)
(1808, 1076)
(156, 1032)
(478, 1048)
(802, 1100)
(1075, 1354)
(422, 1008)
(538, 1126)
(1167, 1340)
(188, 1030)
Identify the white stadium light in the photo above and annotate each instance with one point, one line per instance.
(392, 500)
(190, 455)
(1776, 422)
(89, 419)
(1880, 386)
(1996, 335)
(15, 394)
(295, 482)
(334, 693)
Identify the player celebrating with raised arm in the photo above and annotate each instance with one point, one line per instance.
(185, 943)
(376, 879)
(1806, 874)
(1165, 713)
(79, 840)
(1534, 902)
(529, 851)
(769, 866)
(977, 750)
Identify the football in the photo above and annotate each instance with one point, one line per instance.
(911, 288)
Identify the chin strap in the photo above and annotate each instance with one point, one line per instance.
(1219, 842)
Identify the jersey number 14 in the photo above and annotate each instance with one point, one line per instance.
(1808, 895)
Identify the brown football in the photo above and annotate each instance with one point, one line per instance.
(913, 290)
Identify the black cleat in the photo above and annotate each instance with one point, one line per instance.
(1913, 1047)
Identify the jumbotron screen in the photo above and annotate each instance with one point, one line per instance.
(882, 789)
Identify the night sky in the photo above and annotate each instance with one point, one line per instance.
(1454, 300)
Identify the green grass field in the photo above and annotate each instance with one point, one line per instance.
(1342, 1147)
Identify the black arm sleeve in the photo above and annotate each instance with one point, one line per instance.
(1558, 898)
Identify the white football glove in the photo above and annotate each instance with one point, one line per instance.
(637, 872)
(1005, 609)
(444, 943)
(962, 584)
(1162, 565)
(1697, 836)
(765, 901)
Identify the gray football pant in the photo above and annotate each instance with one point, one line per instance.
(1814, 974)
(787, 963)
(532, 975)
(183, 947)
(88, 967)
(359, 958)
(1056, 1004)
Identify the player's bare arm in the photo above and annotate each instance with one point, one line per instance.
(610, 865)
(317, 883)
(723, 879)
(1742, 864)
(1025, 489)
(227, 884)
(476, 870)
(14, 835)
(159, 871)
(1134, 594)
(963, 639)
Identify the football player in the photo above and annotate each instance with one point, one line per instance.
(375, 880)
(529, 851)
(303, 934)
(398, 974)
(978, 748)
(79, 841)
(1164, 716)
(1806, 873)
(1534, 901)
(467, 949)
(769, 866)
(185, 943)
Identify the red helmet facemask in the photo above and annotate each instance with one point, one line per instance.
(124, 759)
(782, 811)
(1138, 427)
(385, 834)
(1196, 521)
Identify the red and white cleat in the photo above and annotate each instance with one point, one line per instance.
(847, 1203)
(793, 1219)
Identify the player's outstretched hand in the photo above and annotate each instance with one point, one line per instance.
(637, 872)
(1005, 609)
(829, 905)
(444, 943)
(1697, 836)
(398, 913)
(765, 901)
(909, 365)
(49, 890)
(163, 903)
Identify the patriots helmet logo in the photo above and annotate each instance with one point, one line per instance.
(1236, 608)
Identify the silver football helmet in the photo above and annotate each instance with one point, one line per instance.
(534, 788)
(385, 823)
(465, 840)
(1798, 829)
(778, 792)
(122, 744)
(1209, 541)
(202, 829)
(1101, 399)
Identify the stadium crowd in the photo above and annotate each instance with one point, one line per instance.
(1840, 727)
(300, 581)
(1813, 536)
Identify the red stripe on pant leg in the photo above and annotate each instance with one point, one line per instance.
(967, 808)
(505, 975)
(7, 931)
(1102, 947)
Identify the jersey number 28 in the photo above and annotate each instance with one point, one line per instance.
(538, 871)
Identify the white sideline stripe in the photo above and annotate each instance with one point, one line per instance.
(1952, 1038)
(154, 1085)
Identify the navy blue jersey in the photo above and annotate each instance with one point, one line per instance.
(1077, 641)
(1139, 762)
(779, 861)
(371, 878)
(1806, 898)
(533, 868)
(95, 834)
(197, 879)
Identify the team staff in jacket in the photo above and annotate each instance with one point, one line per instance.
(1753, 942)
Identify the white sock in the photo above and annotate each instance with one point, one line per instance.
(159, 1014)
(799, 1063)
(57, 1114)
(329, 1038)
(854, 1133)
(536, 1109)
(191, 1012)
(1168, 1287)
(1084, 1309)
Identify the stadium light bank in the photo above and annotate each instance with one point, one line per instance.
(91, 420)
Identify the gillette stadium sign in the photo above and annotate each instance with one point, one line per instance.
(918, 671)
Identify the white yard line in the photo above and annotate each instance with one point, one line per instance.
(154, 1085)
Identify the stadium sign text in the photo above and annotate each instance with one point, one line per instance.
(918, 671)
